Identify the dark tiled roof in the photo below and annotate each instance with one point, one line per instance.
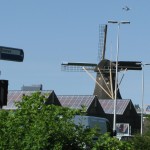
(108, 106)
(76, 101)
(16, 95)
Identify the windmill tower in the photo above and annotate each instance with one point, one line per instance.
(105, 69)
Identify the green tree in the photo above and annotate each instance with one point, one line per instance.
(37, 126)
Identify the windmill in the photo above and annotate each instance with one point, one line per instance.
(105, 69)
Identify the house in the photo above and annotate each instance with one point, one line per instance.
(125, 113)
(125, 110)
(92, 106)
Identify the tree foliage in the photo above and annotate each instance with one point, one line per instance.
(105, 142)
(37, 126)
(141, 142)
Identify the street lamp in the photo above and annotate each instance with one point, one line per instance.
(116, 80)
(142, 102)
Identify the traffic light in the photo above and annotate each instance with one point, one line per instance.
(3, 92)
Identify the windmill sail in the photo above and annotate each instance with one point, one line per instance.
(77, 67)
(102, 41)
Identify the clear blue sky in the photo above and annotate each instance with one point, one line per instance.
(53, 31)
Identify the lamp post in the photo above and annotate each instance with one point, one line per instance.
(116, 80)
(142, 102)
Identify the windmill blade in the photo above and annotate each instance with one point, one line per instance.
(102, 41)
(77, 67)
(129, 65)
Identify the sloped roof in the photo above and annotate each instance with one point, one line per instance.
(108, 106)
(16, 96)
(76, 101)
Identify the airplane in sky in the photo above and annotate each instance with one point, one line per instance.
(126, 8)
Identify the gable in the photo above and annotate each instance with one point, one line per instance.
(52, 99)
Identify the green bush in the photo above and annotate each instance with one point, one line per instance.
(141, 142)
(105, 142)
